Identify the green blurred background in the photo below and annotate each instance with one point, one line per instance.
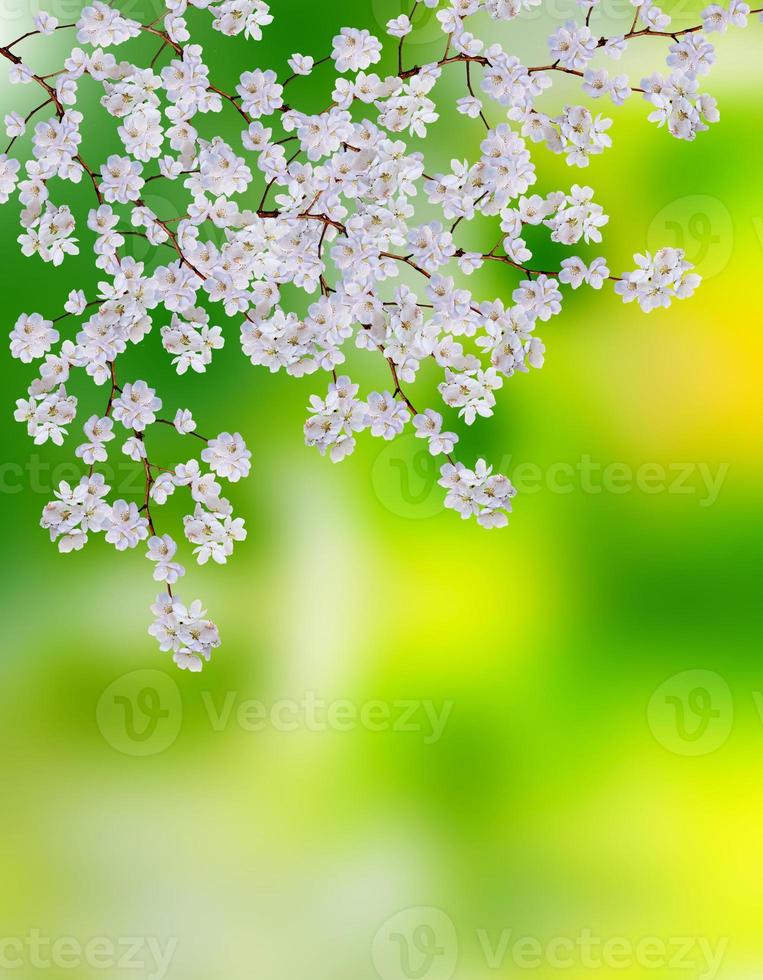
(597, 662)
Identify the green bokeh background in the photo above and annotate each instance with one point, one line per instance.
(556, 799)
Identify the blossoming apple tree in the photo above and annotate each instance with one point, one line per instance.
(337, 219)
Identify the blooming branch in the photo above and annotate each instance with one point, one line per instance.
(337, 219)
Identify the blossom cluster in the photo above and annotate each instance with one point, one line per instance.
(337, 219)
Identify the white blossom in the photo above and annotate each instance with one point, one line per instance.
(161, 550)
(228, 456)
(184, 422)
(32, 337)
(354, 50)
(327, 239)
(428, 426)
(125, 525)
(136, 406)
(399, 26)
(477, 493)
